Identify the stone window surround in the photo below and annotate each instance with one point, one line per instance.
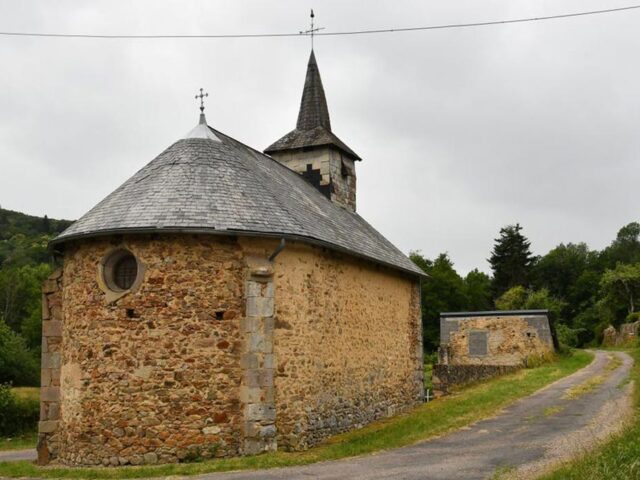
(105, 273)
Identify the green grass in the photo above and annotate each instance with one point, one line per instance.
(28, 439)
(27, 393)
(618, 459)
(435, 418)
(428, 374)
(551, 411)
(19, 442)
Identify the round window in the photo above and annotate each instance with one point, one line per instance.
(120, 271)
(125, 272)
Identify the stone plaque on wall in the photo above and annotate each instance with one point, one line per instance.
(478, 343)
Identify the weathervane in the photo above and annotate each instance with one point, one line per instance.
(312, 30)
(201, 97)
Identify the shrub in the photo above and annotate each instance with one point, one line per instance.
(17, 415)
(633, 317)
(18, 365)
(567, 336)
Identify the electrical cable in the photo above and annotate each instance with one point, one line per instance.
(339, 33)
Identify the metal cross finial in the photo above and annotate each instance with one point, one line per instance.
(201, 97)
(312, 30)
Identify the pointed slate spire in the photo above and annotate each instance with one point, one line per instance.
(313, 106)
(313, 128)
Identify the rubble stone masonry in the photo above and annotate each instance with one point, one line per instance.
(348, 344)
(219, 351)
(510, 340)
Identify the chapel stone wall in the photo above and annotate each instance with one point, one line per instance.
(348, 344)
(153, 376)
(221, 350)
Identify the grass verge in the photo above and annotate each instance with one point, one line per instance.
(19, 411)
(428, 420)
(618, 459)
(19, 442)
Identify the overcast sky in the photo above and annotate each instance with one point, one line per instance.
(460, 131)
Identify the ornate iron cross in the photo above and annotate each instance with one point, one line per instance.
(312, 30)
(201, 97)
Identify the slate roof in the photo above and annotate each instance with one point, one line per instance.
(211, 183)
(313, 128)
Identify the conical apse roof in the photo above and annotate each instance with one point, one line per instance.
(210, 183)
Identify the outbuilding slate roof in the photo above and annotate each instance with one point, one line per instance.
(211, 183)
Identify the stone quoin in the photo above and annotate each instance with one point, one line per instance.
(227, 302)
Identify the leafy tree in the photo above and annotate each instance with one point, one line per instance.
(20, 293)
(478, 291)
(24, 263)
(625, 248)
(512, 299)
(543, 300)
(517, 298)
(511, 260)
(622, 284)
(18, 365)
(442, 291)
(559, 269)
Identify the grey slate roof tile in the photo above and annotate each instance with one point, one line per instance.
(223, 186)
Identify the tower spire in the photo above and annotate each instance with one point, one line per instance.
(313, 105)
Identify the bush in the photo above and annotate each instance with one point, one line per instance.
(18, 365)
(567, 336)
(17, 415)
(633, 317)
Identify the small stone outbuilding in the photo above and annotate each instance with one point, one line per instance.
(478, 345)
(225, 302)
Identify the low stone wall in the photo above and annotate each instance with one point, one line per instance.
(446, 377)
(627, 333)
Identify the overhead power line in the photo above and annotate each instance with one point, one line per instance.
(338, 33)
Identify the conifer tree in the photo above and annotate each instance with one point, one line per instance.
(511, 260)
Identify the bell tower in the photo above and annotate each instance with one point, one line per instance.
(314, 151)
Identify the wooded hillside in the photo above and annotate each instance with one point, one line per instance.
(24, 264)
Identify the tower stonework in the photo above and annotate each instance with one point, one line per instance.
(314, 151)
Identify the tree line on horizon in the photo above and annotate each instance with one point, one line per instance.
(585, 290)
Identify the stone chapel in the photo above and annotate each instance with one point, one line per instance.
(224, 301)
